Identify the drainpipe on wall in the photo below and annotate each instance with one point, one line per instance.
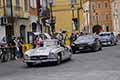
(12, 16)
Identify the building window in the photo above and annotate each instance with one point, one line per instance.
(8, 7)
(73, 1)
(18, 3)
(8, 3)
(34, 27)
(106, 4)
(106, 16)
(44, 4)
(26, 4)
(99, 16)
(22, 32)
(0, 3)
(33, 4)
(99, 5)
(93, 6)
(107, 28)
(93, 18)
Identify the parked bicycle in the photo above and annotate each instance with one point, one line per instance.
(5, 54)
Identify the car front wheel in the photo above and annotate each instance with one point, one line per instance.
(58, 60)
(29, 64)
(97, 46)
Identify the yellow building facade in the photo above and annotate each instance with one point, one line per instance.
(64, 14)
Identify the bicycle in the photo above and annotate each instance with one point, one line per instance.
(4, 54)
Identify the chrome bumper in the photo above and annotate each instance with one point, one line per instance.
(39, 61)
(106, 43)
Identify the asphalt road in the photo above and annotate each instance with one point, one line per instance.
(102, 65)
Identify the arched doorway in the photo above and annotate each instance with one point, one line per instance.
(107, 28)
(97, 29)
(22, 32)
(9, 32)
(34, 27)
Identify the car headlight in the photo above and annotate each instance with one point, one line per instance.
(26, 56)
(51, 55)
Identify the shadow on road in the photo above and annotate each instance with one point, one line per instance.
(48, 64)
(86, 52)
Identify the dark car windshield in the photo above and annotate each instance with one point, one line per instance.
(105, 34)
(86, 37)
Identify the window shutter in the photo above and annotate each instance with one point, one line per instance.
(31, 3)
(35, 4)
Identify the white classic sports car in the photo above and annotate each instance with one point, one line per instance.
(51, 51)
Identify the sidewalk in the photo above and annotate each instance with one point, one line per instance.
(17, 60)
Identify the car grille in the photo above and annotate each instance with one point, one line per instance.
(82, 45)
(39, 57)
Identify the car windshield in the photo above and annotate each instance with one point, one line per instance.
(86, 37)
(106, 34)
(50, 43)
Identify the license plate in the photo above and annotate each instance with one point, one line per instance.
(104, 43)
(34, 58)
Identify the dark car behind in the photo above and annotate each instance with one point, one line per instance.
(86, 43)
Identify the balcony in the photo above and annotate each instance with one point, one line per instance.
(17, 11)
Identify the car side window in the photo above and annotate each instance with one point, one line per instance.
(4, 39)
(43, 36)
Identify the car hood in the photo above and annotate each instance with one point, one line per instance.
(40, 51)
(104, 37)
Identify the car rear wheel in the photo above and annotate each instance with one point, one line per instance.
(9, 56)
(6, 57)
(1, 58)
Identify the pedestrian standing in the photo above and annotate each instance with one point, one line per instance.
(17, 50)
(60, 39)
(37, 42)
(20, 46)
(73, 37)
(67, 39)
